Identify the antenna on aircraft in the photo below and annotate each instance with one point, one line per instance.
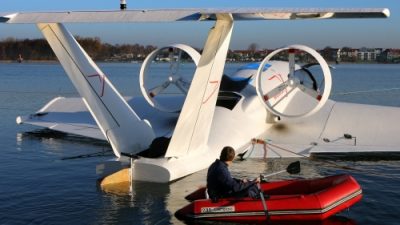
(345, 136)
(122, 4)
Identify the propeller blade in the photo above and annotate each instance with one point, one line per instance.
(277, 90)
(309, 91)
(178, 62)
(174, 65)
(292, 63)
(284, 96)
(182, 85)
(156, 90)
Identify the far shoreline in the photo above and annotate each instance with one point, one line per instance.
(139, 62)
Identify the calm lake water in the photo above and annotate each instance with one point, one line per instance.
(37, 186)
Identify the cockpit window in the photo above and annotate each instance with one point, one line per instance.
(228, 95)
(234, 84)
(228, 99)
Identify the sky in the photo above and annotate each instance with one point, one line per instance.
(357, 33)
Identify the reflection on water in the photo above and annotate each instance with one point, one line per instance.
(54, 141)
(146, 204)
(334, 220)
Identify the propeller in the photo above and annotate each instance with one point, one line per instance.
(174, 76)
(276, 99)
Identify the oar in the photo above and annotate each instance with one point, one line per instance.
(328, 161)
(263, 200)
(293, 168)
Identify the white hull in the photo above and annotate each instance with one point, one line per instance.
(284, 140)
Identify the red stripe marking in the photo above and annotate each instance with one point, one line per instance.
(215, 82)
(279, 77)
(101, 78)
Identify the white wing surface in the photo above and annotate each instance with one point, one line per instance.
(70, 115)
(67, 115)
(169, 15)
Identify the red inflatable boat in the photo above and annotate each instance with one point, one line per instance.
(301, 200)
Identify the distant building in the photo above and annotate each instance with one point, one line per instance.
(330, 54)
(243, 55)
(368, 54)
(348, 54)
(390, 55)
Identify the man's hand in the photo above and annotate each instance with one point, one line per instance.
(257, 180)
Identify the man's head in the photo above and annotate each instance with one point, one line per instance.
(227, 154)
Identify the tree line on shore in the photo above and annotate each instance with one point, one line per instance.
(12, 49)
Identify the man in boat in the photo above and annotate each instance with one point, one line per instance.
(221, 184)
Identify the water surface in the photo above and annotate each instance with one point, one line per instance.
(38, 187)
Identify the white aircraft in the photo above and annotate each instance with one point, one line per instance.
(168, 137)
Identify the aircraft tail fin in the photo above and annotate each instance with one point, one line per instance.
(122, 127)
(194, 124)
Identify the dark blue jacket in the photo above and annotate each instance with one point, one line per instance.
(220, 182)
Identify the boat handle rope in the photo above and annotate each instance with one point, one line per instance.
(253, 142)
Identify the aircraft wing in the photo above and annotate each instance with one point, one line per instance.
(170, 15)
(70, 115)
